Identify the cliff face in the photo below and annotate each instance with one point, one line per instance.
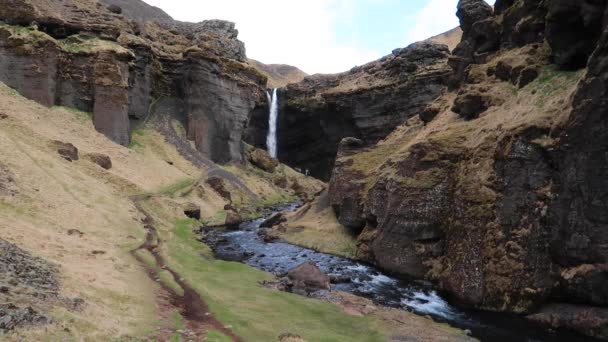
(500, 197)
(367, 102)
(115, 62)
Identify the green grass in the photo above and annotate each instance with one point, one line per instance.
(216, 336)
(174, 189)
(235, 297)
(135, 143)
(551, 82)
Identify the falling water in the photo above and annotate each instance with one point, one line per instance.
(271, 139)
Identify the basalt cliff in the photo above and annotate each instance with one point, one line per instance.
(497, 189)
(122, 60)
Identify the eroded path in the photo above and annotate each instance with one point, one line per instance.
(194, 310)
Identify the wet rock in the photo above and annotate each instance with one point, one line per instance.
(339, 279)
(263, 160)
(267, 235)
(273, 220)
(590, 321)
(102, 160)
(309, 277)
(192, 211)
(233, 219)
(67, 151)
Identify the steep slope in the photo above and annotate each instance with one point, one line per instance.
(497, 190)
(450, 38)
(80, 54)
(367, 102)
(74, 238)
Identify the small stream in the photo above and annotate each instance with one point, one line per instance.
(245, 245)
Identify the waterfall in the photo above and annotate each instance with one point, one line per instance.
(271, 139)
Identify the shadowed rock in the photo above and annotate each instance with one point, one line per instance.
(67, 151)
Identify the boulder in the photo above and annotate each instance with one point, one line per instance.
(233, 219)
(67, 151)
(192, 211)
(470, 105)
(471, 11)
(102, 160)
(263, 160)
(273, 220)
(309, 277)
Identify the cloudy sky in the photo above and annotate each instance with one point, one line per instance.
(322, 36)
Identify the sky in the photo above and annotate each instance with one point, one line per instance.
(322, 36)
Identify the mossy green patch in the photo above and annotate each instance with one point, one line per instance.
(182, 185)
(216, 336)
(235, 296)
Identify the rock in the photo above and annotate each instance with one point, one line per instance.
(263, 160)
(309, 277)
(233, 219)
(273, 220)
(471, 11)
(365, 103)
(585, 284)
(590, 321)
(115, 9)
(12, 317)
(75, 232)
(290, 338)
(192, 211)
(339, 279)
(429, 113)
(67, 151)
(470, 105)
(3, 116)
(573, 29)
(102, 160)
(218, 185)
(527, 75)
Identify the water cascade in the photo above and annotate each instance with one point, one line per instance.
(271, 139)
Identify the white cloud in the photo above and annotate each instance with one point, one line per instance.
(436, 17)
(299, 33)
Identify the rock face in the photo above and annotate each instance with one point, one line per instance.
(367, 102)
(85, 55)
(497, 193)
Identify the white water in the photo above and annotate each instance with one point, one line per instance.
(271, 139)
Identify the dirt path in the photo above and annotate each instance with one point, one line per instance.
(192, 307)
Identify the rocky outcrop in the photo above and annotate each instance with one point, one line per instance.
(308, 277)
(367, 102)
(84, 55)
(497, 193)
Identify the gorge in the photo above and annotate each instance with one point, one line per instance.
(465, 173)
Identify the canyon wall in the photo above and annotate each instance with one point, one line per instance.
(367, 102)
(116, 60)
(497, 190)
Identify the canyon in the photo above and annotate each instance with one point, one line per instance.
(475, 161)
